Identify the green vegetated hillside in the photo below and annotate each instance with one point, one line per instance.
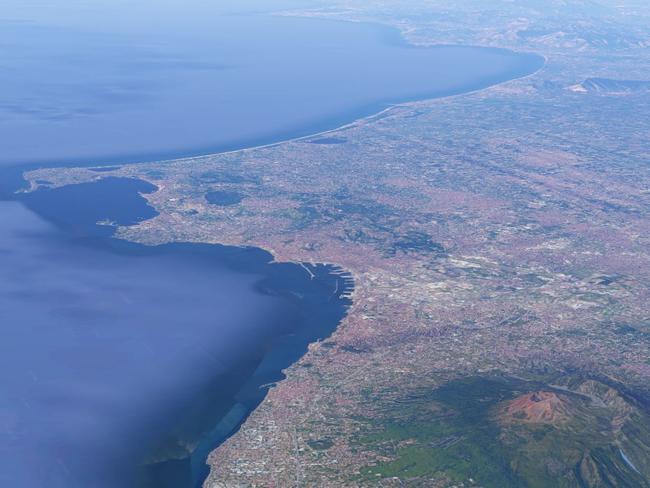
(503, 432)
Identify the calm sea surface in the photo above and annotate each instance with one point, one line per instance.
(124, 365)
(77, 94)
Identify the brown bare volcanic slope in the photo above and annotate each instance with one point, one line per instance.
(540, 407)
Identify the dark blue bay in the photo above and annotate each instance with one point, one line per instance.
(125, 365)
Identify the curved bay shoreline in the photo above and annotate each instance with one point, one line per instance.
(211, 417)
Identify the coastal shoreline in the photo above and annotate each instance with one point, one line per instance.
(356, 122)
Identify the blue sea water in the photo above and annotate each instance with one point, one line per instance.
(124, 364)
(108, 91)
